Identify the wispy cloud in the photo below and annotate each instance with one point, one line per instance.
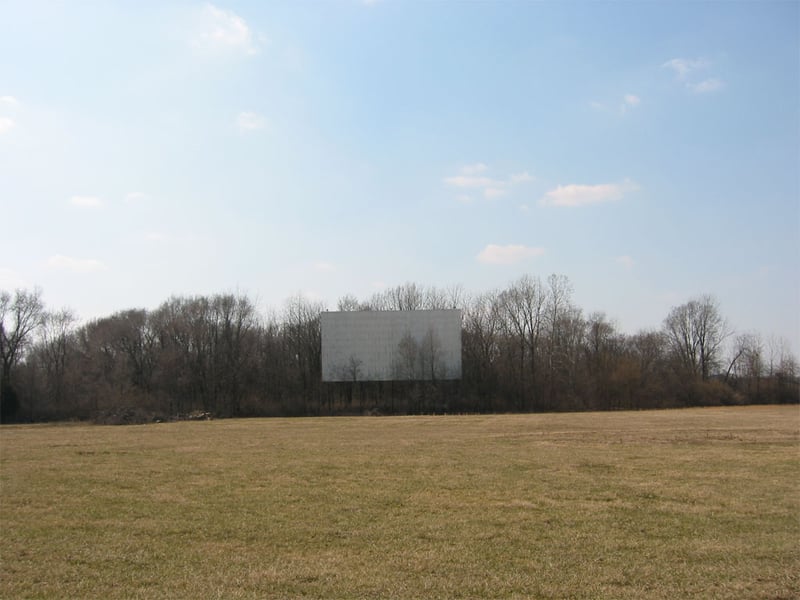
(469, 181)
(223, 32)
(473, 177)
(632, 100)
(474, 169)
(494, 254)
(76, 265)
(521, 178)
(683, 67)
(573, 194)
(687, 71)
(706, 86)
(250, 121)
(494, 192)
(8, 101)
(86, 201)
(629, 101)
(6, 124)
(626, 261)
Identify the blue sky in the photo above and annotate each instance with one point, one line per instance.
(648, 151)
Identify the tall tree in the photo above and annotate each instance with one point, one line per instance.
(481, 347)
(603, 350)
(696, 331)
(303, 339)
(55, 347)
(348, 302)
(524, 311)
(20, 315)
(564, 326)
(234, 348)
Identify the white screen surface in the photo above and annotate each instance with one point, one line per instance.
(391, 345)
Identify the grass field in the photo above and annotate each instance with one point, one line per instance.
(664, 504)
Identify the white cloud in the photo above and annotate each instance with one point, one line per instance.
(9, 101)
(77, 265)
(250, 121)
(464, 199)
(521, 178)
(470, 177)
(631, 100)
(6, 125)
(582, 195)
(156, 236)
(626, 261)
(706, 86)
(220, 31)
(469, 181)
(474, 169)
(493, 254)
(86, 201)
(628, 102)
(686, 70)
(493, 192)
(683, 67)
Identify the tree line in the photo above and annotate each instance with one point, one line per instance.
(525, 348)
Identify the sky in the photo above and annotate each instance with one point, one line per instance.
(648, 151)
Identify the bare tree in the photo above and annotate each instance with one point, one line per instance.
(406, 359)
(303, 338)
(430, 356)
(781, 359)
(523, 307)
(648, 349)
(402, 297)
(349, 302)
(696, 331)
(747, 357)
(564, 327)
(525, 348)
(19, 318)
(603, 352)
(483, 325)
(408, 296)
(56, 334)
(352, 370)
(456, 297)
(234, 344)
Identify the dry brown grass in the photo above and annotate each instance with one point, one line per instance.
(661, 504)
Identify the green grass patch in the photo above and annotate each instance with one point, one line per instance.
(661, 504)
